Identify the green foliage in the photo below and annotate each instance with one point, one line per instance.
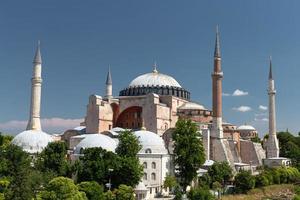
(256, 139)
(244, 182)
(261, 180)
(188, 151)
(96, 163)
(200, 194)
(178, 193)
(170, 182)
(92, 189)
(15, 164)
(129, 145)
(109, 195)
(124, 192)
(53, 158)
(5, 140)
(62, 188)
(220, 172)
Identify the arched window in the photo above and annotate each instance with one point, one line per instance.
(153, 176)
(145, 165)
(145, 176)
(148, 151)
(153, 165)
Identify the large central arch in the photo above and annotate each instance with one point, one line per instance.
(131, 118)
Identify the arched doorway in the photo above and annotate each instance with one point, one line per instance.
(131, 118)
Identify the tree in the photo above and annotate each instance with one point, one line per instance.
(188, 151)
(124, 192)
(129, 145)
(15, 165)
(53, 158)
(62, 188)
(256, 139)
(5, 139)
(170, 182)
(92, 189)
(244, 181)
(220, 172)
(200, 194)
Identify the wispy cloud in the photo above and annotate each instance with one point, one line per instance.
(226, 94)
(260, 114)
(242, 109)
(263, 108)
(261, 119)
(50, 125)
(238, 92)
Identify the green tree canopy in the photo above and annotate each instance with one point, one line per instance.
(92, 189)
(129, 144)
(170, 182)
(124, 192)
(220, 172)
(244, 181)
(53, 158)
(62, 188)
(188, 151)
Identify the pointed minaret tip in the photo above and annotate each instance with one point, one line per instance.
(155, 67)
(270, 71)
(217, 43)
(108, 78)
(38, 58)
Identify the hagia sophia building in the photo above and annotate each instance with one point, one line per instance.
(150, 106)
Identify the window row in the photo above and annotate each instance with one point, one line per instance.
(153, 176)
(153, 165)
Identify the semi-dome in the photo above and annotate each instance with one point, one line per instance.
(154, 79)
(191, 106)
(32, 141)
(157, 83)
(96, 140)
(151, 142)
(246, 127)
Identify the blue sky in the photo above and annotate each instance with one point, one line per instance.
(80, 39)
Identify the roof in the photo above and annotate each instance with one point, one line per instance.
(152, 141)
(246, 127)
(154, 79)
(32, 141)
(96, 140)
(191, 106)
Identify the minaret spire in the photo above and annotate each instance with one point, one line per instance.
(34, 122)
(270, 70)
(217, 44)
(272, 147)
(108, 84)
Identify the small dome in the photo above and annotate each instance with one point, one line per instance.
(191, 106)
(151, 142)
(96, 140)
(154, 79)
(246, 127)
(32, 141)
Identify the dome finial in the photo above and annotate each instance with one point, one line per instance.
(155, 67)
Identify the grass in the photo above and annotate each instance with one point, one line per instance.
(278, 192)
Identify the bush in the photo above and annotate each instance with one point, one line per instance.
(261, 180)
(244, 182)
(200, 194)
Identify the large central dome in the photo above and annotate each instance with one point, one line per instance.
(155, 82)
(154, 79)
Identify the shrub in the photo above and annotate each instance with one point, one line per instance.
(200, 194)
(244, 182)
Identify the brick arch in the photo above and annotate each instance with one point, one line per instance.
(131, 118)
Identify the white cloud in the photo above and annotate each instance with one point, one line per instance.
(260, 114)
(49, 125)
(226, 94)
(242, 109)
(238, 92)
(263, 108)
(261, 119)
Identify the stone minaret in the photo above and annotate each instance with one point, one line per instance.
(34, 122)
(217, 75)
(108, 90)
(272, 148)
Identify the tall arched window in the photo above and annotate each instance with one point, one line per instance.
(153, 165)
(153, 176)
(145, 165)
(148, 151)
(145, 176)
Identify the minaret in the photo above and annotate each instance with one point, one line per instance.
(108, 85)
(217, 75)
(34, 122)
(272, 148)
